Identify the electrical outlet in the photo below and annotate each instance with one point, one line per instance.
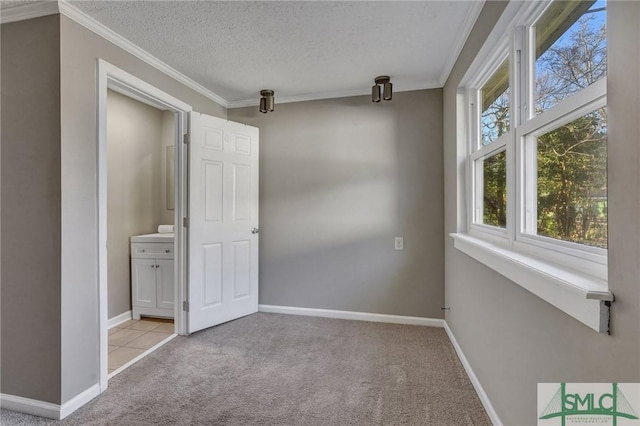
(398, 243)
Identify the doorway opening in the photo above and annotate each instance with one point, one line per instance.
(140, 228)
(141, 203)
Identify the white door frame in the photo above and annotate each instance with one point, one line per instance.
(111, 77)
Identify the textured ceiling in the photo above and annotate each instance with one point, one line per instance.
(315, 48)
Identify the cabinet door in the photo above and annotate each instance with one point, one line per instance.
(166, 288)
(143, 283)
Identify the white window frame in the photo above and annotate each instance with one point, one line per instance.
(479, 151)
(477, 201)
(476, 150)
(571, 276)
(580, 256)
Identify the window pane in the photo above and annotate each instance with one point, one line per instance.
(495, 105)
(494, 171)
(571, 50)
(572, 181)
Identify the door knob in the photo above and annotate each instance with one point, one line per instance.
(255, 230)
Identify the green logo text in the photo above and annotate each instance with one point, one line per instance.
(613, 404)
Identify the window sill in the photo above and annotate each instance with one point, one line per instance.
(581, 296)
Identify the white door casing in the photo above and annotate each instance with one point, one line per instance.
(111, 77)
(223, 211)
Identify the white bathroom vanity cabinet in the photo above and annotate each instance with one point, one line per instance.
(152, 275)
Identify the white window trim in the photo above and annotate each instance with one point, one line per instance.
(588, 303)
(570, 276)
(478, 151)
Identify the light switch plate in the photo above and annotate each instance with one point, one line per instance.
(398, 243)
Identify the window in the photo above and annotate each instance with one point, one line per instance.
(494, 190)
(495, 105)
(489, 148)
(570, 49)
(558, 145)
(536, 175)
(570, 201)
(564, 134)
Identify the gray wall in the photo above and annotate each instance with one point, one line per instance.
(79, 50)
(31, 209)
(339, 178)
(513, 339)
(135, 188)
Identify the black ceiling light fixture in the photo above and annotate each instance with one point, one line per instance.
(384, 82)
(266, 101)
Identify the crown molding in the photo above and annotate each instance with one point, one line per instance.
(28, 11)
(44, 8)
(467, 25)
(333, 95)
(102, 30)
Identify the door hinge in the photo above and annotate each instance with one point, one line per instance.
(186, 138)
(185, 222)
(185, 306)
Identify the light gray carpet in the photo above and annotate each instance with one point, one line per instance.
(270, 369)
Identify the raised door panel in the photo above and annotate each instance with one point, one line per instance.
(241, 193)
(143, 281)
(239, 143)
(212, 283)
(212, 190)
(165, 283)
(241, 269)
(213, 139)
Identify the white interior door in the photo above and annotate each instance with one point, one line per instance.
(223, 221)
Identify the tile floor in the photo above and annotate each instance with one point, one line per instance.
(132, 338)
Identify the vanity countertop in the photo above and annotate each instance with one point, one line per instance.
(153, 238)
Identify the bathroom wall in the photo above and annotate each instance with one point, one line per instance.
(167, 139)
(136, 201)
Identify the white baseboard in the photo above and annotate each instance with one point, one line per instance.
(79, 400)
(350, 315)
(48, 409)
(119, 319)
(30, 406)
(493, 416)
